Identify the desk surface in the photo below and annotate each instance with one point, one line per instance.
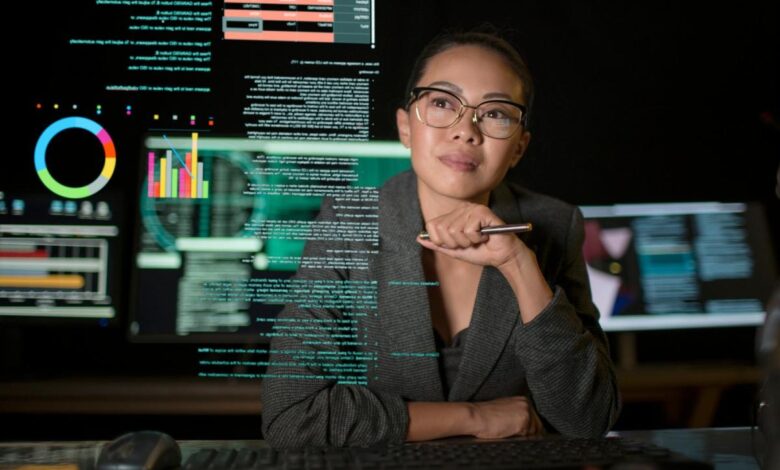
(122, 395)
(727, 448)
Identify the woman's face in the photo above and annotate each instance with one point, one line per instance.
(460, 162)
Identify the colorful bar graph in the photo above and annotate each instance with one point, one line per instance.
(177, 178)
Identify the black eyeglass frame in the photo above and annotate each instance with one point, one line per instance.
(415, 95)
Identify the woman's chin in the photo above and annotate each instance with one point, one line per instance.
(462, 193)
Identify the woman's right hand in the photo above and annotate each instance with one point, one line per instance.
(505, 417)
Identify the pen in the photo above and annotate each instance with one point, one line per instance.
(510, 228)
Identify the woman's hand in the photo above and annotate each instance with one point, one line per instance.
(505, 417)
(457, 234)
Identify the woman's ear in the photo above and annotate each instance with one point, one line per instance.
(522, 145)
(402, 122)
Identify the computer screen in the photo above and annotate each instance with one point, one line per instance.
(59, 257)
(116, 88)
(62, 219)
(159, 146)
(223, 223)
(678, 265)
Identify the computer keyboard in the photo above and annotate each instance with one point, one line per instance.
(82, 455)
(521, 454)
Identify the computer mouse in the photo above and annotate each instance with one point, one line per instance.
(147, 450)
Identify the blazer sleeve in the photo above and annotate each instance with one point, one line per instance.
(302, 404)
(565, 352)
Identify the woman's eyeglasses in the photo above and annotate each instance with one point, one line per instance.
(439, 108)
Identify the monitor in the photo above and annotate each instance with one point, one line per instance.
(105, 219)
(62, 222)
(59, 258)
(223, 222)
(121, 80)
(678, 265)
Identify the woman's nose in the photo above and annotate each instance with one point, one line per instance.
(466, 128)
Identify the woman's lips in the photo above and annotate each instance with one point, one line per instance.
(459, 162)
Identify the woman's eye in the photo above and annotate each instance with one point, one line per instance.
(502, 115)
(442, 103)
(499, 112)
(495, 114)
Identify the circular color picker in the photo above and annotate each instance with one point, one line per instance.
(69, 191)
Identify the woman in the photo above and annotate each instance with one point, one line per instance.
(520, 348)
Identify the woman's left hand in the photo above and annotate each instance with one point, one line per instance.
(457, 234)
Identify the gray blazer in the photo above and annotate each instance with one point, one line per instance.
(560, 359)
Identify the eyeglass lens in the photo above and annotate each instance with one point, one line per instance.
(494, 118)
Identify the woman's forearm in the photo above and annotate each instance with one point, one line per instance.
(492, 419)
(435, 420)
(527, 281)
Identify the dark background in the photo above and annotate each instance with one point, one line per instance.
(636, 102)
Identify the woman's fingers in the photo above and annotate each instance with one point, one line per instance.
(461, 227)
(457, 234)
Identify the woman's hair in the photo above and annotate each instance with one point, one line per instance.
(482, 37)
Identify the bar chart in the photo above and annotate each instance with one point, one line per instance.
(53, 268)
(176, 177)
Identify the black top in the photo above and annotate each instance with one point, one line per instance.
(449, 357)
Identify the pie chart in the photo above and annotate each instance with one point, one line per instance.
(75, 192)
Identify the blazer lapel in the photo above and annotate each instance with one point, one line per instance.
(494, 317)
(408, 349)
